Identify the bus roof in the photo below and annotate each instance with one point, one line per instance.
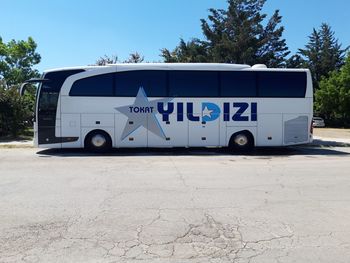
(175, 66)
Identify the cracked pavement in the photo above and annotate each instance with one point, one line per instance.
(164, 206)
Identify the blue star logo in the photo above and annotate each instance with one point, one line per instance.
(210, 111)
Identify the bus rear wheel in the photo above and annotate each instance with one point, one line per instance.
(98, 141)
(242, 142)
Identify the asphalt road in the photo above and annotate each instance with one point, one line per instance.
(275, 205)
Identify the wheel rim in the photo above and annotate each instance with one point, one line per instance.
(98, 140)
(241, 140)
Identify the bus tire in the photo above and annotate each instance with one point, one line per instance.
(242, 141)
(98, 141)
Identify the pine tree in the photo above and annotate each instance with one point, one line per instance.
(295, 61)
(236, 35)
(323, 53)
(135, 58)
(273, 50)
(105, 60)
(333, 54)
(192, 51)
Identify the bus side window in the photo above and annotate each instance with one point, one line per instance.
(238, 84)
(99, 85)
(154, 83)
(193, 83)
(282, 84)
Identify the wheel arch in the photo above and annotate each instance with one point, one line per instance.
(93, 131)
(248, 132)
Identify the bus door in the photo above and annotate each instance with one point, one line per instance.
(46, 116)
(48, 110)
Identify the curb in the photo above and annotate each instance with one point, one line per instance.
(17, 144)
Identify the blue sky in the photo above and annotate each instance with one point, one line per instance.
(77, 32)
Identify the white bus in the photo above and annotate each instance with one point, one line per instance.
(173, 105)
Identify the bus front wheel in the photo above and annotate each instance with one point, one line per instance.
(242, 141)
(98, 141)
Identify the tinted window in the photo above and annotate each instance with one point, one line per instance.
(48, 101)
(100, 85)
(238, 84)
(282, 84)
(56, 79)
(48, 97)
(193, 84)
(153, 82)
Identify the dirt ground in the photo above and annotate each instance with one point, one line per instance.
(332, 133)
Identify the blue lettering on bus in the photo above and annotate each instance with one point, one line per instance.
(226, 111)
(242, 107)
(143, 113)
(165, 113)
(180, 111)
(135, 109)
(254, 111)
(210, 111)
(190, 115)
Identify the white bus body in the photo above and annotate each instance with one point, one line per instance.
(173, 105)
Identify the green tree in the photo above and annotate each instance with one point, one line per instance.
(272, 49)
(296, 61)
(17, 59)
(333, 96)
(323, 53)
(236, 35)
(105, 60)
(15, 112)
(135, 58)
(192, 51)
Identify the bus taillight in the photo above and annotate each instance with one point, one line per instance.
(311, 127)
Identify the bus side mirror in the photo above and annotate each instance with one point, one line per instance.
(22, 89)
